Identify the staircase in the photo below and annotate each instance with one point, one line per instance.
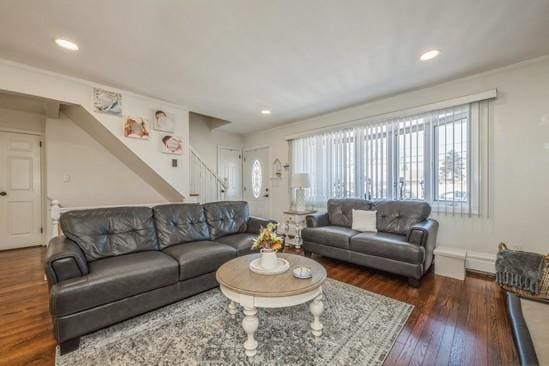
(205, 185)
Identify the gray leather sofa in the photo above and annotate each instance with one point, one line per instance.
(116, 263)
(403, 244)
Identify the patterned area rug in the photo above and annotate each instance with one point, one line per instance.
(360, 328)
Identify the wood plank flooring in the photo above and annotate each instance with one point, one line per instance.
(453, 323)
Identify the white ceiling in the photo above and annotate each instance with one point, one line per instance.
(232, 58)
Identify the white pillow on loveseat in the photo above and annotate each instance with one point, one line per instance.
(364, 220)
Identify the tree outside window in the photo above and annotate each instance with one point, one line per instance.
(452, 167)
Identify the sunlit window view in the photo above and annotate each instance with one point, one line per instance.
(452, 161)
(411, 164)
(421, 157)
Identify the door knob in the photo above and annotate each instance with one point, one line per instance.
(3, 194)
(266, 195)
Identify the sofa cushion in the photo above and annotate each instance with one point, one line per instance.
(180, 223)
(386, 245)
(364, 220)
(340, 211)
(200, 257)
(225, 218)
(335, 236)
(108, 232)
(241, 242)
(398, 216)
(112, 279)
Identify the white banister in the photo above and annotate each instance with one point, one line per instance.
(55, 213)
(206, 185)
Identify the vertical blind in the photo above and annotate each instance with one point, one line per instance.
(431, 156)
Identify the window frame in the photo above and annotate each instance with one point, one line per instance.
(386, 132)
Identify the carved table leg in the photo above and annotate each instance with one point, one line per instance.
(298, 240)
(316, 307)
(232, 309)
(250, 324)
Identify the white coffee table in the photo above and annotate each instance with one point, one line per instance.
(252, 291)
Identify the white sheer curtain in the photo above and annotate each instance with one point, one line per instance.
(436, 156)
(329, 159)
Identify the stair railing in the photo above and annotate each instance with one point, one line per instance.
(206, 185)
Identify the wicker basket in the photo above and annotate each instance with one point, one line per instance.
(543, 294)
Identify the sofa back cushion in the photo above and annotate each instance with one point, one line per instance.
(398, 216)
(180, 223)
(340, 210)
(227, 217)
(108, 232)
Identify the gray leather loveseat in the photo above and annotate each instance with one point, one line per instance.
(403, 244)
(116, 263)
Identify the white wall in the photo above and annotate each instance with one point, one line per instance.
(23, 79)
(97, 177)
(18, 120)
(520, 159)
(206, 141)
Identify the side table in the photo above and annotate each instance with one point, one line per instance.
(294, 222)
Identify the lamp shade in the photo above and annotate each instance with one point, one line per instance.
(300, 180)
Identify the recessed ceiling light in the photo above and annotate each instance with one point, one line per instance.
(265, 111)
(66, 44)
(429, 55)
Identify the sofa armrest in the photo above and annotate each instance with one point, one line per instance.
(425, 234)
(317, 219)
(255, 224)
(64, 260)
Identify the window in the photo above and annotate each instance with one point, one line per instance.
(433, 156)
(451, 161)
(256, 178)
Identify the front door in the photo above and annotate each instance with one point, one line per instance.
(256, 181)
(229, 168)
(20, 191)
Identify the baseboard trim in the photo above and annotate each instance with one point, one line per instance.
(489, 276)
(480, 262)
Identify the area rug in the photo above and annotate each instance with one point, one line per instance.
(360, 328)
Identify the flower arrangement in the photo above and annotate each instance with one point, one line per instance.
(267, 239)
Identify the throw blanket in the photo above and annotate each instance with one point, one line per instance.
(518, 269)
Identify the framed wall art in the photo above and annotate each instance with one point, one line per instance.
(107, 101)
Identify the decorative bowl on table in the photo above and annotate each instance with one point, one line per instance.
(302, 272)
(282, 265)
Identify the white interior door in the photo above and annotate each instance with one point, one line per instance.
(20, 191)
(229, 168)
(257, 181)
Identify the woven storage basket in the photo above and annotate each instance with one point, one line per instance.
(543, 294)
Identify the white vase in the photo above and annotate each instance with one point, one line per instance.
(268, 259)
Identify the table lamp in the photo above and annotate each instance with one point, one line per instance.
(300, 181)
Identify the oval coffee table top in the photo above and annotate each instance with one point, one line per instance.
(236, 276)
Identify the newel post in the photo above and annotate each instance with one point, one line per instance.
(55, 214)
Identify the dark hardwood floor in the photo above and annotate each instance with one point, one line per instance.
(453, 322)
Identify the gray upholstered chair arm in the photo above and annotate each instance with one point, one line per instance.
(317, 219)
(255, 224)
(425, 235)
(64, 260)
